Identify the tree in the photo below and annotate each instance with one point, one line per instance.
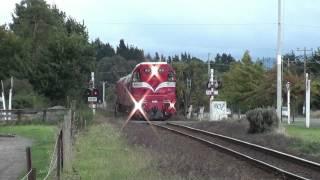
(175, 58)
(222, 62)
(11, 55)
(130, 53)
(102, 50)
(56, 53)
(148, 57)
(111, 69)
(246, 58)
(122, 49)
(313, 64)
(156, 57)
(241, 82)
(169, 60)
(196, 72)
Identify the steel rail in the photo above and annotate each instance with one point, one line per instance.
(270, 151)
(278, 171)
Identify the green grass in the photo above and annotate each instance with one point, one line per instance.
(101, 153)
(43, 139)
(308, 139)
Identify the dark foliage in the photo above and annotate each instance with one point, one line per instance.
(261, 120)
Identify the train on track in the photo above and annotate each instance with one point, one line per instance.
(149, 92)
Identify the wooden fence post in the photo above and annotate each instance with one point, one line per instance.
(28, 155)
(67, 142)
(44, 118)
(32, 174)
(19, 115)
(59, 156)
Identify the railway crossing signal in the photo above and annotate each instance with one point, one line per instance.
(212, 87)
(92, 95)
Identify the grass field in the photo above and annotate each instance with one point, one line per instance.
(309, 138)
(43, 139)
(101, 153)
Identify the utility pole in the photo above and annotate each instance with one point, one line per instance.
(104, 94)
(279, 64)
(308, 89)
(305, 58)
(3, 101)
(304, 50)
(288, 101)
(209, 64)
(187, 100)
(94, 105)
(10, 99)
(212, 95)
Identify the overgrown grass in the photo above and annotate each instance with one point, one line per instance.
(101, 153)
(43, 139)
(309, 139)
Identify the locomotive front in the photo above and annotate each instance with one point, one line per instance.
(154, 85)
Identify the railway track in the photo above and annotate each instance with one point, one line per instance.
(281, 164)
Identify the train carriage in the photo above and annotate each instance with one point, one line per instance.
(152, 87)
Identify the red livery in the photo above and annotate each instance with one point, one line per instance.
(148, 92)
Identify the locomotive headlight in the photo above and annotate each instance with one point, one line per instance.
(147, 70)
(171, 105)
(160, 70)
(154, 69)
(137, 106)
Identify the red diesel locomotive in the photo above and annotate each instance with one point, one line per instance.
(148, 92)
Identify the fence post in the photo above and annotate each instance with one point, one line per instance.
(61, 147)
(66, 140)
(31, 176)
(19, 115)
(44, 118)
(59, 156)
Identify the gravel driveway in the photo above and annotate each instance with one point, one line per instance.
(13, 157)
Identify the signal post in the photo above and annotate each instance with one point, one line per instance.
(92, 94)
(212, 86)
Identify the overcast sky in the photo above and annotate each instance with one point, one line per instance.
(195, 26)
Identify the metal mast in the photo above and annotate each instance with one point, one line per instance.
(279, 63)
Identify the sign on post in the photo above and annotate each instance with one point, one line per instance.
(92, 99)
(219, 110)
(209, 92)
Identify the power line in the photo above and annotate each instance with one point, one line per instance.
(180, 24)
(305, 57)
(201, 24)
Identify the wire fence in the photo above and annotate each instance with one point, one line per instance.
(61, 156)
(24, 115)
(26, 177)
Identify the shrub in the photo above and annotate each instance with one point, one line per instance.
(262, 119)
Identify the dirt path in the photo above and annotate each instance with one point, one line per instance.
(12, 157)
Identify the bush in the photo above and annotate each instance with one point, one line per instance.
(262, 119)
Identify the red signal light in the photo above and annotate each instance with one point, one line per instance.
(95, 92)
